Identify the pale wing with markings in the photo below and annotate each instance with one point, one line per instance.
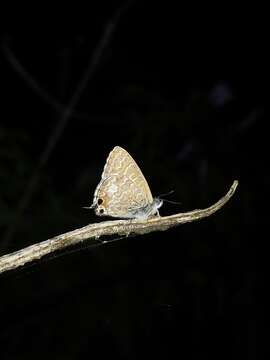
(122, 188)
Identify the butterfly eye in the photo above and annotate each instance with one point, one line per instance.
(100, 201)
(101, 211)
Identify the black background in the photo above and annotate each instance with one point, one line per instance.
(186, 93)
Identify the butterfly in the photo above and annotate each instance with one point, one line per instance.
(123, 191)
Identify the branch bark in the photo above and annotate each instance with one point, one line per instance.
(106, 228)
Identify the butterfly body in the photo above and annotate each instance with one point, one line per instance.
(123, 191)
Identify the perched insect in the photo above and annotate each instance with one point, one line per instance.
(123, 191)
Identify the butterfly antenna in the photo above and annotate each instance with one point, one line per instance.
(166, 194)
(172, 202)
(169, 201)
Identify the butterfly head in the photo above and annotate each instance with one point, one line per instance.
(157, 203)
(148, 211)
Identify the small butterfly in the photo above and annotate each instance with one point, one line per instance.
(123, 191)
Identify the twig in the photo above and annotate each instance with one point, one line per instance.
(31, 81)
(106, 228)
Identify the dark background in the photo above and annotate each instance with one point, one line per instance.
(186, 93)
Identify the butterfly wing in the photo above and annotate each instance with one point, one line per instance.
(122, 187)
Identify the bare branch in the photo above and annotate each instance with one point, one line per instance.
(106, 228)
